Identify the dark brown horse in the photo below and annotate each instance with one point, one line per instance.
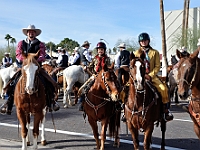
(189, 78)
(142, 109)
(30, 99)
(99, 105)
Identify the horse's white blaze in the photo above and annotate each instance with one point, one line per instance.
(30, 73)
(138, 75)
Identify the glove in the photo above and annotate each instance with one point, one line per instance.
(148, 77)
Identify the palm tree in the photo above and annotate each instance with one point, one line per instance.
(13, 41)
(164, 53)
(8, 37)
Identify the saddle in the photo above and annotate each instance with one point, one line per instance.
(125, 67)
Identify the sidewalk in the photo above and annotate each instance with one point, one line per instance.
(16, 145)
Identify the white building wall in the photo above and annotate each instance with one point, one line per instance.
(173, 24)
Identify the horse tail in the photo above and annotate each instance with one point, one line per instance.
(114, 124)
(64, 82)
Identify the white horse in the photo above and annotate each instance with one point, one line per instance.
(5, 75)
(71, 75)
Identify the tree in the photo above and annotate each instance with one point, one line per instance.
(191, 41)
(50, 46)
(131, 45)
(68, 44)
(13, 41)
(8, 37)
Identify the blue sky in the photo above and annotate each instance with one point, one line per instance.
(82, 20)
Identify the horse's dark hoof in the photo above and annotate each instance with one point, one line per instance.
(123, 119)
(56, 107)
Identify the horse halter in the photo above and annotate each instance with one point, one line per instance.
(193, 77)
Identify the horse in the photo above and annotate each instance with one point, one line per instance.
(30, 99)
(99, 105)
(142, 108)
(5, 75)
(172, 73)
(189, 78)
(72, 75)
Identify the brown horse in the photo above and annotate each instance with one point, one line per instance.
(142, 109)
(29, 98)
(189, 78)
(99, 105)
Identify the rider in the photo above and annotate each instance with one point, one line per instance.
(76, 58)
(152, 68)
(84, 54)
(62, 60)
(7, 60)
(95, 66)
(30, 45)
(122, 62)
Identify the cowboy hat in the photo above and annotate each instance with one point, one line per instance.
(198, 44)
(59, 48)
(122, 45)
(6, 53)
(31, 27)
(76, 49)
(85, 43)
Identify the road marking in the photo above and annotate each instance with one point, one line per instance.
(91, 136)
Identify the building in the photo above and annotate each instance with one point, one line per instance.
(173, 25)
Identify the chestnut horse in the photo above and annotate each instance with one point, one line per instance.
(142, 109)
(30, 99)
(99, 105)
(189, 78)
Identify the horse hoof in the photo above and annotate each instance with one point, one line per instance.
(28, 143)
(43, 143)
(65, 106)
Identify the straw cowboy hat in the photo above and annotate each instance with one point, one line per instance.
(85, 43)
(59, 49)
(198, 44)
(31, 27)
(6, 53)
(76, 49)
(122, 45)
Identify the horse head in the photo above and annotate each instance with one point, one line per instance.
(137, 72)
(29, 68)
(187, 75)
(109, 82)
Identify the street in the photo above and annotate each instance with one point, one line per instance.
(73, 132)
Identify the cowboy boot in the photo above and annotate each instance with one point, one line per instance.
(82, 98)
(167, 114)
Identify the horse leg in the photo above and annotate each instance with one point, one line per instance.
(148, 136)
(29, 131)
(37, 119)
(134, 134)
(22, 119)
(176, 95)
(94, 126)
(104, 125)
(163, 130)
(117, 127)
(43, 139)
(197, 130)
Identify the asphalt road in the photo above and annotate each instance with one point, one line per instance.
(74, 133)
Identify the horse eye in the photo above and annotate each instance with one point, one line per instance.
(107, 79)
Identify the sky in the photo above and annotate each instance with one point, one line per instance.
(82, 20)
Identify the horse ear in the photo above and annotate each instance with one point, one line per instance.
(132, 56)
(37, 54)
(143, 56)
(105, 68)
(24, 54)
(178, 53)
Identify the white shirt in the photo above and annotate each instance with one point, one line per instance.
(70, 59)
(59, 58)
(117, 60)
(87, 55)
(76, 56)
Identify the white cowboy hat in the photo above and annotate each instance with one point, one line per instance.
(183, 49)
(85, 43)
(122, 45)
(6, 53)
(59, 48)
(31, 27)
(76, 49)
(198, 44)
